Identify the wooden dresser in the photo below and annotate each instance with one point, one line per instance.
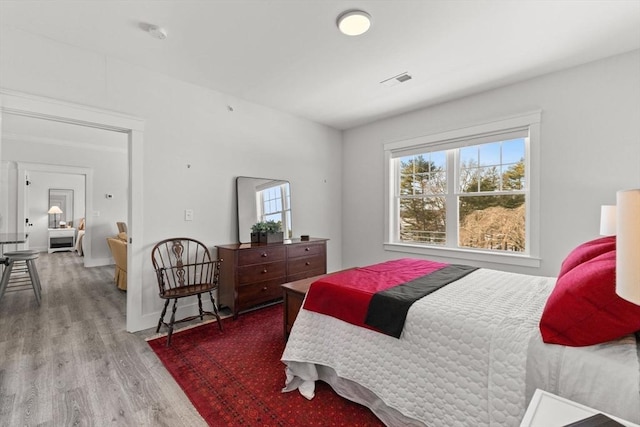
(251, 273)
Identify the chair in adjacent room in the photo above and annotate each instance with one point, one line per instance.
(122, 227)
(20, 273)
(184, 267)
(118, 248)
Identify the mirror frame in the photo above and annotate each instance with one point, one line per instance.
(63, 198)
(247, 209)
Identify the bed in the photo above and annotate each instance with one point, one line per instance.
(470, 353)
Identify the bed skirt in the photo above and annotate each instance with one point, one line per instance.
(350, 390)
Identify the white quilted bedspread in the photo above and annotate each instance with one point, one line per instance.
(461, 359)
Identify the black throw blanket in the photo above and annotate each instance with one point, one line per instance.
(388, 309)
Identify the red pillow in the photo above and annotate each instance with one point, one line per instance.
(587, 251)
(584, 309)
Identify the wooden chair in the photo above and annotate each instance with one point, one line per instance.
(184, 268)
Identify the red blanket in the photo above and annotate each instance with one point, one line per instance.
(346, 295)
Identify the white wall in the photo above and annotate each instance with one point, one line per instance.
(194, 147)
(590, 148)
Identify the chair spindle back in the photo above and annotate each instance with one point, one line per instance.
(181, 262)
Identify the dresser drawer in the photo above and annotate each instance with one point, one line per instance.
(261, 255)
(260, 272)
(258, 293)
(304, 250)
(306, 266)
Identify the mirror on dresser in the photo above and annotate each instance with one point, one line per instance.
(262, 199)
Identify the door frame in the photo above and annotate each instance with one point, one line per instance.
(25, 168)
(23, 104)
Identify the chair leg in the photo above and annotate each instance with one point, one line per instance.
(215, 311)
(34, 279)
(35, 274)
(173, 319)
(164, 311)
(200, 307)
(5, 277)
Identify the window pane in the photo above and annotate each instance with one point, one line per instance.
(513, 151)
(438, 161)
(438, 182)
(422, 174)
(492, 222)
(469, 156)
(423, 220)
(489, 179)
(468, 180)
(489, 154)
(497, 166)
(513, 176)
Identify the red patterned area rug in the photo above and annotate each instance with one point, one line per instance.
(235, 377)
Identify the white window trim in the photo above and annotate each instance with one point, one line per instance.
(447, 138)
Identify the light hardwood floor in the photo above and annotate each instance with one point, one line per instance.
(71, 362)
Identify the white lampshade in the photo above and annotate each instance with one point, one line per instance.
(608, 220)
(354, 22)
(55, 210)
(628, 245)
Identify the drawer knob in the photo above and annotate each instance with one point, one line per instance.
(264, 289)
(307, 263)
(264, 271)
(264, 255)
(307, 249)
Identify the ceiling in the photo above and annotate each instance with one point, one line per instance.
(289, 55)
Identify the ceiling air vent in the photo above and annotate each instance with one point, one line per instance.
(396, 80)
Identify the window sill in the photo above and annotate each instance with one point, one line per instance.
(465, 254)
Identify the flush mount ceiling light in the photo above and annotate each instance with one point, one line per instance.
(354, 22)
(157, 32)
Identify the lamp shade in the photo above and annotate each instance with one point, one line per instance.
(628, 245)
(55, 210)
(608, 220)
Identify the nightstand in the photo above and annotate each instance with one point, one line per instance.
(294, 293)
(62, 239)
(548, 410)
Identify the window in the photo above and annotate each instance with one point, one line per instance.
(275, 205)
(470, 191)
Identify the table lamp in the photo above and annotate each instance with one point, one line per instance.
(628, 245)
(55, 210)
(608, 220)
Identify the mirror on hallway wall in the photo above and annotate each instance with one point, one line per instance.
(63, 200)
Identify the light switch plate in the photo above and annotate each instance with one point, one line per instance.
(188, 214)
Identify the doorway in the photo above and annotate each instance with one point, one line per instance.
(20, 104)
(49, 155)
